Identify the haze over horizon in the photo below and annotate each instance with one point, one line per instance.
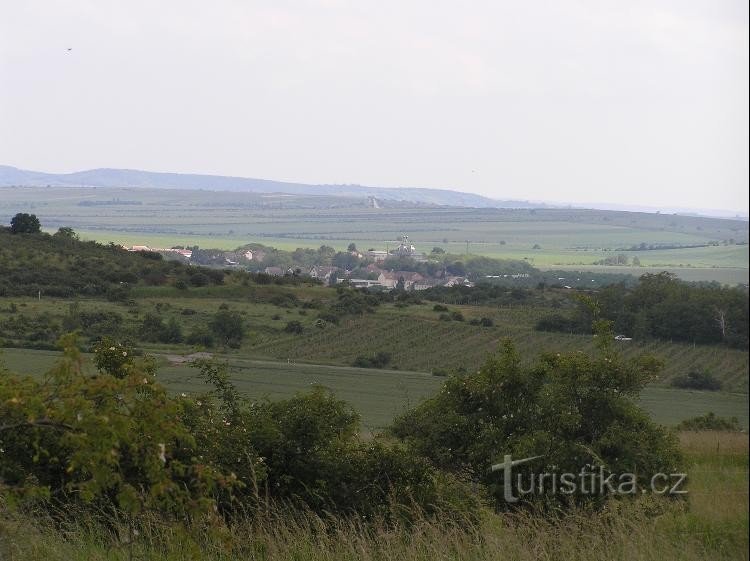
(642, 104)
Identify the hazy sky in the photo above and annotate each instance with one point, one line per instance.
(642, 102)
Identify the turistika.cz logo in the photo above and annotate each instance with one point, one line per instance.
(591, 480)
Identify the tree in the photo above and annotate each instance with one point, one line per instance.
(401, 284)
(438, 250)
(228, 327)
(67, 233)
(23, 223)
(351, 247)
(567, 411)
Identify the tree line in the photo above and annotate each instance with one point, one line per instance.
(662, 307)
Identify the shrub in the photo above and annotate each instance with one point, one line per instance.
(568, 410)
(378, 360)
(114, 442)
(200, 337)
(228, 327)
(439, 308)
(294, 327)
(457, 316)
(554, 322)
(710, 421)
(697, 380)
(329, 317)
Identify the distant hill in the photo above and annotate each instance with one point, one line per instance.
(10, 176)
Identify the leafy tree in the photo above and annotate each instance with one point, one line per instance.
(113, 442)
(697, 380)
(377, 360)
(228, 327)
(710, 421)
(23, 223)
(66, 232)
(113, 358)
(568, 409)
(351, 247)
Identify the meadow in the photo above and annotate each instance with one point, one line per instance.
(546, 238)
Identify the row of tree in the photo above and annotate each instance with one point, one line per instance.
(661, 306)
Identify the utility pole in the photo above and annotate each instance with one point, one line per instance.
(467, 247)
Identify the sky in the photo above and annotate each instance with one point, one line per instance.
(629, 102)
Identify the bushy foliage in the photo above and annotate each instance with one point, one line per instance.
(571, 409)
(662, 307)
(62, 265)
(112, 441)
(697, 380)
(228, 327)
(710, 421)
(23, 223)
(154, 329)
(380, 359)
(294, 327)
(116, 441)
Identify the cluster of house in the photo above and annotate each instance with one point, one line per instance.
(186, 253)
(376, 276)
(386, 280)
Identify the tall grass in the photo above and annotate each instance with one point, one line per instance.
(711, 525)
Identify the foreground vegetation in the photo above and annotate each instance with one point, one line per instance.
(703, 528)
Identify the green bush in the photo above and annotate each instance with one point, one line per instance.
(569, 409)
(697, 380)
(377, 360)
(710, 421)
(294, 327)
(117, 442)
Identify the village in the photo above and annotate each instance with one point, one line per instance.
(367, 269)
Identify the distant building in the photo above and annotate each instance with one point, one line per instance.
(323, 273)
(275, 271)
(457, 281)
(362, 283)
(391, 279)
(405, 249)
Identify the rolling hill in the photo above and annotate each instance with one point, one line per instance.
(11, 176)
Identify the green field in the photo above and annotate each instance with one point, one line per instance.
(546, 238)
(378, 395)
(415, 337)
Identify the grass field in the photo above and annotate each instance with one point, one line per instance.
(378, 395)
(562, 237)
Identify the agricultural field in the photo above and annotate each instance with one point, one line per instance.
(697, 248)
(272, 363)
(377, 395)
(414, 336)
